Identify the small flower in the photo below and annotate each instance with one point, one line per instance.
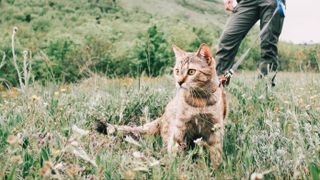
(12, 139)
(183, 177)
(11, 93)
(25, 53)
(35, 98)
(46, 167)
(60, 166)
(63, 90)
(301, 101)
(15, 29)
(16, 159)
(72, 170)
(55, 152)
(198, 141)
(313, 97)
(256, 176)
(129, 174)
(138, 155)
(56, 93)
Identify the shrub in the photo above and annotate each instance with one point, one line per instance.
(313, 62)
(202, 37)
(63, 68)
(153, 55)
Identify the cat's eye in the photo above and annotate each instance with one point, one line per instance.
(191, 71)
(177, 71)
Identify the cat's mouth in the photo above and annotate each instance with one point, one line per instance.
(191, 86)
(185, 86)
(182, 87)
(190, 89)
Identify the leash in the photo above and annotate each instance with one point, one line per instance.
(227, 76)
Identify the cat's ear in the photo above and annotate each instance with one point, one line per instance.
(204, 52)
(178, 52)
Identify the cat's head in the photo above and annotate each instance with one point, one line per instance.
(194, 70)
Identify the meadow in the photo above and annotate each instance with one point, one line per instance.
(47, 131)
(111, 60)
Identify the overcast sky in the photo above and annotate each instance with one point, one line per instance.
(302, 22)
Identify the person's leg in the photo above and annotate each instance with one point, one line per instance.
(269, 39)
(244, 16)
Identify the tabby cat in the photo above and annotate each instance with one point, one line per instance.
(198, 109)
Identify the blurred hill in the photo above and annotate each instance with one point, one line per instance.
(77, 38)
(119, 20)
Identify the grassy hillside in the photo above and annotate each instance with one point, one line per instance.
(81, 37)
(274, 133)
(76, 19)
(75, 39)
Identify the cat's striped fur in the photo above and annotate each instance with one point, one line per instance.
(199, 108)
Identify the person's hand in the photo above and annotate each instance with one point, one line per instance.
(223, 80)
(228, 5)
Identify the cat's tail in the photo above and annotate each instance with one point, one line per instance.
(150, 128)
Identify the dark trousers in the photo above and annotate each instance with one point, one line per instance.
(244, 16)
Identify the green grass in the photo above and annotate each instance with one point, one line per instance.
(271, 131)
(71, 40)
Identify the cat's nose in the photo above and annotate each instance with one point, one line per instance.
(181, 80)
(180, 83)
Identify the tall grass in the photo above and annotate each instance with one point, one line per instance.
(270, 131)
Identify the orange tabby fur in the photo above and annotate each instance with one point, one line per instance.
(198, 110)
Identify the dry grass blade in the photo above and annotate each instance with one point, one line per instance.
(130, 140)
(27, 68)
(76, 149)
(14, 57)
(79, 132)
(3, 62)
(74, 146)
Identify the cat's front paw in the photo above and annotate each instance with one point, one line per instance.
(176, 147)
(173, 149)
(103, 128)
(182, 145)
(100, 127)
